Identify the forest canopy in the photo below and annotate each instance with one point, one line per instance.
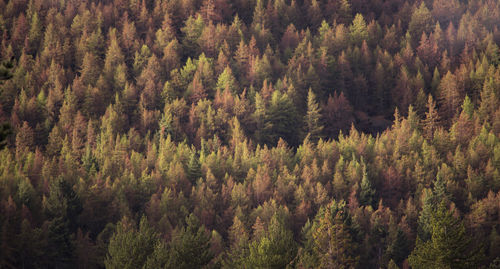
(249, 134)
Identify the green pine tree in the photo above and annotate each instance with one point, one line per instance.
(281, 116)
(313, 117)
(131, 248)
(276, 248)
(190, 246)
(333, 242)
(5, 129)
(399, 249)
(449, 245)
(193, 168)
(367, 193)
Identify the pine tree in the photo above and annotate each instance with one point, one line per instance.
(468, 107)
(5, 131)
(114, 58)
(358, 30)
(312, 118)
(449, 95)
(62, 207)
(332, 238)
(489, 99)
(35, 32)
(192, 31)
(278, 120)
(344, 15)
(197, 89)
(421, 21)
(239, 243)
(436, 80)
(367, 193)
(129, 247)
(276, 248)
(449, 246)
(193, 170)
(431, 121)
(399, 249)
(259, 16)
(190, 246)
(314, 14)
(227, 81)
(90, 69)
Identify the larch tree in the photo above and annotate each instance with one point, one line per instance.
(431, 121)
(489, 99)
(332, 238)
(338, 115)
(358, 30)
(450, 95)
(446, 11)
(314, 14)
(344, 14)
(421, 21)
(192, 30)
(227, 81)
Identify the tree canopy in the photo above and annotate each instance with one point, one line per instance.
(249, 134)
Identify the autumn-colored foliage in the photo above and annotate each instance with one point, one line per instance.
(249, 134)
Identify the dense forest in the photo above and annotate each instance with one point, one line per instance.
(250, 134)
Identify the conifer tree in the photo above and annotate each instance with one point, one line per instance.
(274, 249)
(5, 128)
(338, 115)
(367, 193)
(314, 14)
(449, 245)
(193, 168)
(35, 32)
(358, 30)
(489, 99)
(399, 249)
(431, 121)
(62, 207)
(312, 118)
(449, 95)
(281, 115)
(192, 30)
(5, 131)
(227, 81)
(239, 244)
(332, 238)
(345, 12)
(130, 247)
(421, 21)
(190, 246)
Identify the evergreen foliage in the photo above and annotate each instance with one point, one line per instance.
(249, 134)
(449, 246)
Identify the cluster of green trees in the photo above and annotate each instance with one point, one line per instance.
(249, 134)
